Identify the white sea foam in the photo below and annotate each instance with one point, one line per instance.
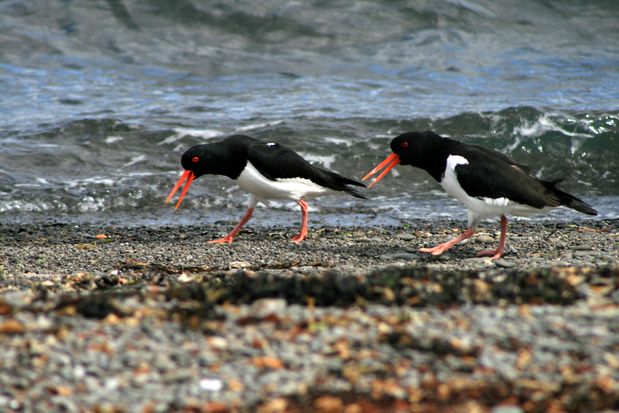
(339, 141)
(198, 133)
(253, 126)
(97, 180)
(91, 204)
(542, 125)
(27, 185)
(475, 8)
(135, 159)
(325, 160)
(113, 139)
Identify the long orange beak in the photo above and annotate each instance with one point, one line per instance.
(186, 176)
(389, 162)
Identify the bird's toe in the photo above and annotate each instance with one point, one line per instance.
(224, 240)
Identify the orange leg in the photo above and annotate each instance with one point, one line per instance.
(497, 253)
(230, 237)
(441, 248)
(303, 233)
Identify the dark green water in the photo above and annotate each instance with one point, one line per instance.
(98, 99)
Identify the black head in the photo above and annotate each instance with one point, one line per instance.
(413, 148)
(424, 150)
(199, 160)
(227, 157)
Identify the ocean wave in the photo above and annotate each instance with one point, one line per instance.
(78, 170)
(100, 99)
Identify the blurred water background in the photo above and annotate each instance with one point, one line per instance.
(98, 99)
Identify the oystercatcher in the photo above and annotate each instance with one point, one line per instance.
(267, 170)
(487, 182)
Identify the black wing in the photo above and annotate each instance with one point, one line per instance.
(275, 161)
(502, 156)
(491, 174)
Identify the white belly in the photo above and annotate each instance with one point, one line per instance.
(252, 181)
(480, 208)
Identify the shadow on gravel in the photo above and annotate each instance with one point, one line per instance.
(413, 286)
(417, 287)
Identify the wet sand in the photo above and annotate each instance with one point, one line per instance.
(116, 319)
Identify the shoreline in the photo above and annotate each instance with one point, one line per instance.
(103, 318)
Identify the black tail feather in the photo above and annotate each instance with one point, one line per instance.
(354, 192)
(571, 201)
(347, 181)
(340, 183)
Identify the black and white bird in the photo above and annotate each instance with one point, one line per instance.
(267, 170)
(487, 182)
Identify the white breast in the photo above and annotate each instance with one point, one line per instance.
(262, 187)
(480, 208)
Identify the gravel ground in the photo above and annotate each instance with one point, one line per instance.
(115, 319)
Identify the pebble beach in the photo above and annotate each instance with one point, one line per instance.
(154, 319)
(112, 302)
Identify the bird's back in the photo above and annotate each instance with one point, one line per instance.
(276, 162)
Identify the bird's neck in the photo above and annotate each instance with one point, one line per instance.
(432, 156)
(229, 159)
(233, 167)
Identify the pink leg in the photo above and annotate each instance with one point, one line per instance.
(303, 232)
(497, 253)
(230, 237)
(441, 248)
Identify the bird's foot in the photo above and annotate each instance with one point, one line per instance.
(438, 250)
(493, 254)
(441, 248)
(299, 238)
(225, 240)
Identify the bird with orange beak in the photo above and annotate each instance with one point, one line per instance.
(487, 182)
(267, 170)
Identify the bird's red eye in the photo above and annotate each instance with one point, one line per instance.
(404, 144)
(195, 159)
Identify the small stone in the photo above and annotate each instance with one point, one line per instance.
(217, 342)
(276, 405)
(267, 362)
(405, 237)
(184, 277)
(484, 238)
(105, 408)
(211, 384)
(482, 289)
(240, 265)
(328, 404)
(505, 263)
(586, 253)
(215, 407)
(406, 256)
(178, 376)
(507, 409)
(12, 326)
(266, 306)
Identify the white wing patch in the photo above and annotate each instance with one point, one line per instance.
(500, 202)
(450, 180)
(271, 144)
(455, 160)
